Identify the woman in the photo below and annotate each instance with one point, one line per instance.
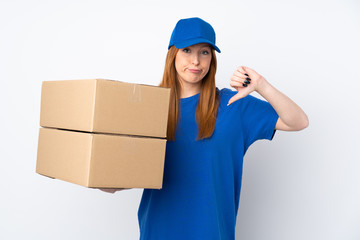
(209, 131)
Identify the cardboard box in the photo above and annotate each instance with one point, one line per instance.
(105, 106)
(101, 160)
(103, 133)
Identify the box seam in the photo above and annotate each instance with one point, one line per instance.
(90, 160)
(161, 176)
(93, 120)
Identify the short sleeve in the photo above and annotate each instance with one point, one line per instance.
(259, 119)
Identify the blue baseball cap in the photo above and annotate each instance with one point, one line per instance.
(191, 31)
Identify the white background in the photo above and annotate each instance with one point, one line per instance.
(302, 185)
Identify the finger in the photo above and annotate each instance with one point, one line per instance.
(108, 190)
(237, 79)
(241, 70)
(236, 84)
(242, 74)
(233, 99)
(239, 75)
(239, 82)
(246, 78)
(236, 97)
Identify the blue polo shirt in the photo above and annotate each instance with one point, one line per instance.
(202, 179)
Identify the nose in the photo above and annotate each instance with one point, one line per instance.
(195, 59)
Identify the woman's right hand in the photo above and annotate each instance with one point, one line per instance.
(112, 190)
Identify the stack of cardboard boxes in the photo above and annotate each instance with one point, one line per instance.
(103, 133)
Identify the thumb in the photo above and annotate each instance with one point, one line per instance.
(234, 98)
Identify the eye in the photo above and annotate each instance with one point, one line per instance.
(186, 50)
(205, 52)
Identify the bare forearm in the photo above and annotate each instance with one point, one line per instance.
(292, 117)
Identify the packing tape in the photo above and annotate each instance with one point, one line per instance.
(135, 95)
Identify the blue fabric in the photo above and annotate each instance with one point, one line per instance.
(191, 31)
(202, 179)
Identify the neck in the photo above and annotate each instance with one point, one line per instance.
(188, 91)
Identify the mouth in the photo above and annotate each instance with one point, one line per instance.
(194, 70)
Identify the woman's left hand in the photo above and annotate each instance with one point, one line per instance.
(245, 80)
(112, 190)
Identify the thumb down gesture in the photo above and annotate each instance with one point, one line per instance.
(245, 80)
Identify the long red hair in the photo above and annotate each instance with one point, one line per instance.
(208, 104)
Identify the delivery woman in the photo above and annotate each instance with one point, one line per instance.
(209, 131)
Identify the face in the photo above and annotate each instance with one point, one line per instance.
(192, 64)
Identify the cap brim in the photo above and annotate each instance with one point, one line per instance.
(190, 42)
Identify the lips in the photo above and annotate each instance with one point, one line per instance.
(194, 70)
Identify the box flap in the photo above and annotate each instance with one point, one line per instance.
(68, 104)
(134, 109)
